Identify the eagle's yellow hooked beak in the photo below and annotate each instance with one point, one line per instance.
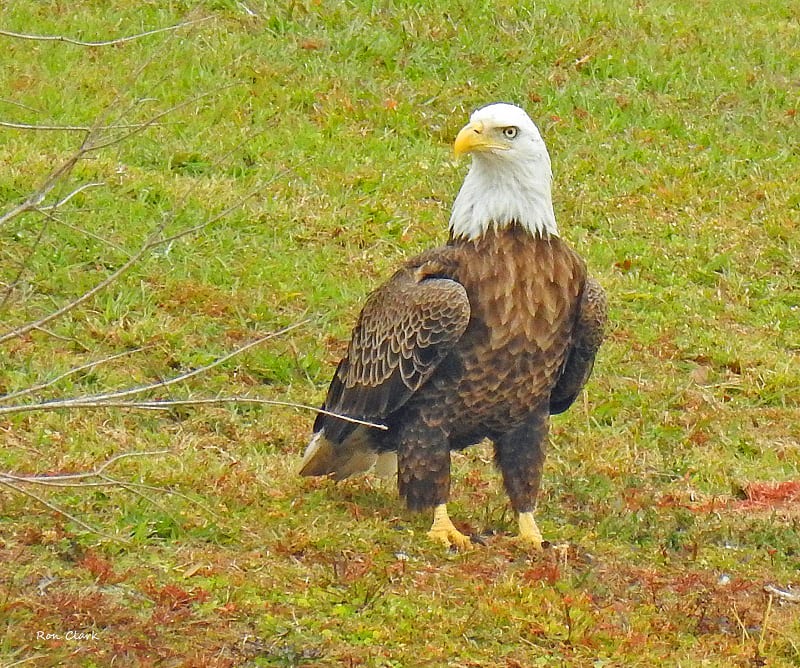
(474, 137)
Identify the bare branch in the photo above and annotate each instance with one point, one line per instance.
(94, 401)
(153, 241)
(14, 103)
(783, 594)
(21, 331)
(22, 267)
(224, 212)
(99, 120)
(61, 511)
(45, 128)
(78, 369)
(61, 202)
(167, 404)
(98, 472)
(164, 490)
(87, 146)
(68, 339)
(114, 399)
(81, 480)
(110, 42)
(44, 481)
(147, 498)
(139, 128)
(126, 455)
(50, 182)
(27, 659)
(190, 374)
(47, 211)
(84, 232)
(109, 128)
(71, 128)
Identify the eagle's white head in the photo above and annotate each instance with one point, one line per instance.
(509, 180)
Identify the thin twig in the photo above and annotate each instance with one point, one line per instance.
(110, 42)
(85, 232)
(87, 146)
(168, 404)
(69, 128)
(164, 490)
(152, 241)
(63, 480)
(22, 267)
(66, 374)
(44, 481)
(69, 339)
(138, 129)
(782, 594)
(50, 182)
(45, 128)
(132, 79)
(26, 107)
(33, 201)
(63, 170)
(66, 199)
(27, 659)
(253, 400)
(149, 500)
(98, 472)
(195, 372)
(83, 480)
(224, 212)
(106, 399)
(61, 511)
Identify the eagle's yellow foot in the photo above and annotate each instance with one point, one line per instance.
(529, 533)
(444, 532)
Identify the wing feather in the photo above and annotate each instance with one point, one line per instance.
(587, 336)
(406, 328)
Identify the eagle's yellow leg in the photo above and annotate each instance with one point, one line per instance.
(444, 531)
(528, 531)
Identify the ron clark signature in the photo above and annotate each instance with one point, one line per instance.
(74, 636)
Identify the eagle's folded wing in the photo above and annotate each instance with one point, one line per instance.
(407, 327)
(587, 336)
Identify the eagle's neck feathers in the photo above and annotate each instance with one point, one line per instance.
(497, 194)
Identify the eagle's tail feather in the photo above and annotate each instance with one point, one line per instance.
(339, 460)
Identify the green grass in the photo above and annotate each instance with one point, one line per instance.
(675, 143)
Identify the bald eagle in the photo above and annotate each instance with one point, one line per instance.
(485, 337)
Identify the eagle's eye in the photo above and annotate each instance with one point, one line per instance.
(510, 132)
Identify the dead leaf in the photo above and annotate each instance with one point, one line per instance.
(311, 44)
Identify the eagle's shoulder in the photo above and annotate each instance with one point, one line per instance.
(407, 327)
(408, 323)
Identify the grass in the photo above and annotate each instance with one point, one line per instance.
(673, 131)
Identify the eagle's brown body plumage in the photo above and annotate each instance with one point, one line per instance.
(501, 315)
(482, 338)
(498, 379)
